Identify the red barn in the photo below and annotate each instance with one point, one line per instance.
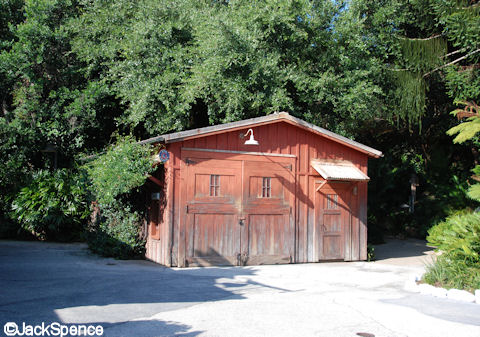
(285, 192)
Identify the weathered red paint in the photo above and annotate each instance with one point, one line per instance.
(242, 227)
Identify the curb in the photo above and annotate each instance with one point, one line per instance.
(452, 294)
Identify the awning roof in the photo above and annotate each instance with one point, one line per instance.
(338, 170)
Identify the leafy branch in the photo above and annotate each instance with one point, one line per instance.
(453, 62)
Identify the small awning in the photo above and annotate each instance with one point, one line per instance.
(338, 170)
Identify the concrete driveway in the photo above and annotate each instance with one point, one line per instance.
(46, 282)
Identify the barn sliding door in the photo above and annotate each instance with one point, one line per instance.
(213, 201)
(268, 233)
(238, 209)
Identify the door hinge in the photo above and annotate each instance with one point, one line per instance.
(186, 209)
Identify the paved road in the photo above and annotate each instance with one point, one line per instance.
(46, 282)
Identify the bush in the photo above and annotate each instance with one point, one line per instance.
(458, 238)
(12, 230)
(116, 232)
(53, 206)
(370, 253)
(117, 176)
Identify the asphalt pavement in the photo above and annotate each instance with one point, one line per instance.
(66, 284)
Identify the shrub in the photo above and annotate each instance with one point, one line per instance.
(116, 231)
(370, 253)
(53, 206)
(117, 176)
(12, 230)
(458, 238)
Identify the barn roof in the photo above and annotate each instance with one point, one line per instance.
(269, 119)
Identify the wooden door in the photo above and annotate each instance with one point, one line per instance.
(268, 231)
(213, 202)
(332, 221)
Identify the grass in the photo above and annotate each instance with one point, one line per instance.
(449, 274)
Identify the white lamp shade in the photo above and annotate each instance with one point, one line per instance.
(252, 140)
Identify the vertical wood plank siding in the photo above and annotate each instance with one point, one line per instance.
(279, 138)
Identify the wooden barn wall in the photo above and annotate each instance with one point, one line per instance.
(155, 246)
(159, 248)
(282, 138)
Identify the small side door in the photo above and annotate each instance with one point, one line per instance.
(332, 221)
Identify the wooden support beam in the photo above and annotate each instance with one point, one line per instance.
(320, 186)
(155, 180)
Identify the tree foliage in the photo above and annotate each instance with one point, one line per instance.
(49, 93)
(187, 63)
(122, 168)
(427, 44)
(47, 101)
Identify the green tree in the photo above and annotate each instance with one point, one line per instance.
(424, 56)
(46, 97)
(11, 14)
(184, 64)
(466, 131)
(50, 93)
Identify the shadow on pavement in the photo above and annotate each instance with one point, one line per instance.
(440, 308)
(395, 248)
(48, 282)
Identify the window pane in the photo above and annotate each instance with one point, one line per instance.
(332, 201)
(266, 187)
(214, 185)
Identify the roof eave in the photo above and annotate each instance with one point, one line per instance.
(257, 121)
(334, 136)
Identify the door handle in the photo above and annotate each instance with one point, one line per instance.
(242, 259)
(241, 222)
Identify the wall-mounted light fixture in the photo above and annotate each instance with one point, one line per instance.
(252, 140)
(156, 196)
